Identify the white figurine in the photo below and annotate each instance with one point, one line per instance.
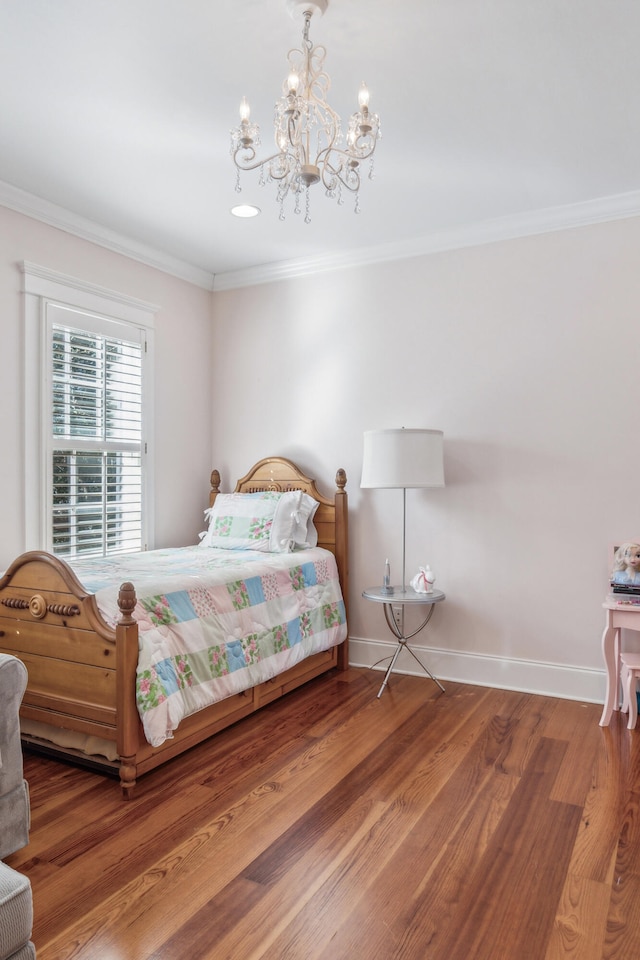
(423, 580)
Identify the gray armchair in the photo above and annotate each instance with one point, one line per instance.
(16, 904)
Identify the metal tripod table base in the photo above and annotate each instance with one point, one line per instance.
(403, 598)
(402, 644)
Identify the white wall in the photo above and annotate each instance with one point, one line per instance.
(183, 381)
(526, 354)
(523, 352)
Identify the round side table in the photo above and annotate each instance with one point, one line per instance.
(403, 598)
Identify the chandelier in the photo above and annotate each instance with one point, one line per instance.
(310, 147)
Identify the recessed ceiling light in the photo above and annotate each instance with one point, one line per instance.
(245, 210)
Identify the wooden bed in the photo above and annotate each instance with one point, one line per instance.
(82, 672)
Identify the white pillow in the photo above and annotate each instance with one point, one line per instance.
(305, 534)
(267, 521)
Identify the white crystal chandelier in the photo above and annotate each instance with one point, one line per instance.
(309, 142)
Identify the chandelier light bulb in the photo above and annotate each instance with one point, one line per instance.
(363, 96)
(293, 82)
(245, 110)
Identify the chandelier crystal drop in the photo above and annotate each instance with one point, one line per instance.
(310, 147)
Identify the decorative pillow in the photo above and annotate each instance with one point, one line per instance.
(267, 521)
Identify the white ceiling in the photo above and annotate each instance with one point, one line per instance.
(509, 112)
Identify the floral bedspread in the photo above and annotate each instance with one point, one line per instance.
(215, 622)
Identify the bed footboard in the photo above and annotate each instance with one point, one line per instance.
(81, 672)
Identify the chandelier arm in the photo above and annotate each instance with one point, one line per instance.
(348, 176)
(348, 155)
(274, 173)
(245, 163)
(359, 151)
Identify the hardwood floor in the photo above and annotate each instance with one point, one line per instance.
(479, 824)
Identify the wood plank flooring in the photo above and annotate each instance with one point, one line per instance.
(479, 824)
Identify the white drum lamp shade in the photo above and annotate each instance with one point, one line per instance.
(403, 458)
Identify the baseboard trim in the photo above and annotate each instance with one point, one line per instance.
(526, 676)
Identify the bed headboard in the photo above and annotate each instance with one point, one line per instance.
(331, 517)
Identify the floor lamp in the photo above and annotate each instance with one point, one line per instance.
(403, 459)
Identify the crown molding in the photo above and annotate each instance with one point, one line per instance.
(551, 219)
(548, 220)
(31, 206)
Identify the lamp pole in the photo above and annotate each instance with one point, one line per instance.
(404, 539)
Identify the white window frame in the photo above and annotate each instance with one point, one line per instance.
(41, 286)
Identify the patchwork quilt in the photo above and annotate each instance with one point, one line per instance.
(214, 622)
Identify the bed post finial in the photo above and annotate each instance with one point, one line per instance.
(127, 602)
(215, 481)
(341, 479)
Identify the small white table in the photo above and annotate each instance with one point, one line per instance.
(621, 615)
(403, 598)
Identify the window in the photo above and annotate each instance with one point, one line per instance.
(94, 417)
(93, 379)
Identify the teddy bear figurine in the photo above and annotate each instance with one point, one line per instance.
(626, 564)
(424, 580)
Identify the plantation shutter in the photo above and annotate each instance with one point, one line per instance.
(95, 423)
